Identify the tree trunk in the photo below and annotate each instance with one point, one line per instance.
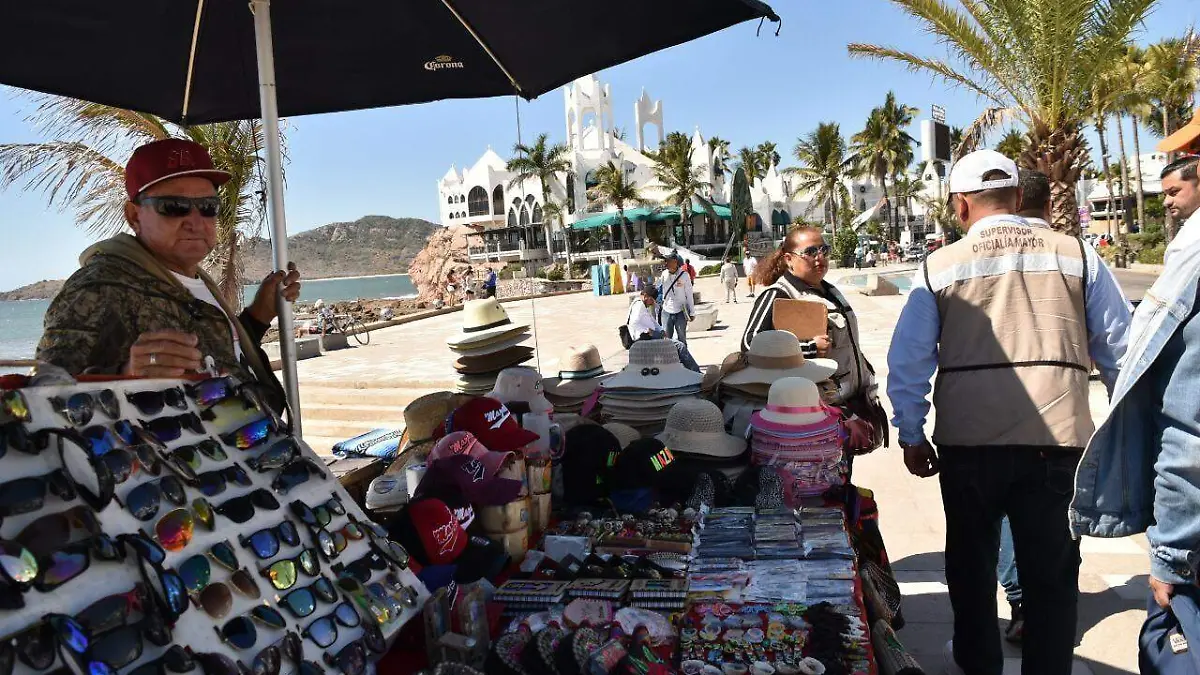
(626, 230)
(886, 200)
(566, 245)
(1061, 154)
(1127, 215)
(833, 210)
(1108, 220)
(1137, 168)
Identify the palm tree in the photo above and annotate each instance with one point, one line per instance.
(884, 148)
(906, 189)
(680, 179)
(613, 186)
(1011, 144)
(956, 138)
(1171, 84)
(553, 212)
(542, 162)
(1103, 99)
(1135, 103)
(720, 152)
(750, 161)
(823, 168)
(81, 167)
(768, 155)
(1038, 59)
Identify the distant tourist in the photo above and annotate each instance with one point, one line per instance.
(451, 288)
(469, 285)
(749, 265)
(644, 326)
(141, 306)
(489, 284)
(691, 271)
(729, 277)
(633, 284)
(678, 301)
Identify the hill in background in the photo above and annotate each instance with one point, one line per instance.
(369, 245)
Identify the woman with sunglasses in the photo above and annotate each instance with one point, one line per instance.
(797, 270)
(140, 305)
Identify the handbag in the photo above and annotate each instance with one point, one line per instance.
(1169, 643)
(623, 330)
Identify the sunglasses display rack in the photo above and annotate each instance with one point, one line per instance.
(170, 526)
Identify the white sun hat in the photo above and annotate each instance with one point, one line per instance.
(524, 384)
(697, 427)
(776, 354)
(483, 320)
(792, 402)
(654, 364)
(491, 347)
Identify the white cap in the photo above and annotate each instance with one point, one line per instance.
(968, 172)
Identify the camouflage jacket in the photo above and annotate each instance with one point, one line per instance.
(121, 291)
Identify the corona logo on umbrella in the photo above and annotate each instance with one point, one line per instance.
(442, 62)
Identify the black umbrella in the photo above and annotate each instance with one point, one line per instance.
(199, 61)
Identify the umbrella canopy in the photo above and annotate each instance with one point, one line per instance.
(194, 61)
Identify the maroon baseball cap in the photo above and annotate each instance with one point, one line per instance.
(490, 422)
(169, 158)
(467, 475)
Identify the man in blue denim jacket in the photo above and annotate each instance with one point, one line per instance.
(1141, 470)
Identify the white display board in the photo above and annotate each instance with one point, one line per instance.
(194, 628)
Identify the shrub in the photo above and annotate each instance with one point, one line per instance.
(844, 245)
(710, 269)
(554, 273)
(1152, 255)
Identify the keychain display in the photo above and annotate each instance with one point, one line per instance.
(142, 530)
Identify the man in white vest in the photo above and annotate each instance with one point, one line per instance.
(1011, 316)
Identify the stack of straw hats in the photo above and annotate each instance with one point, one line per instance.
(487, 343)
(643, 393)
(580, 373)
(801, 437)
(695, 433)
(773, 355)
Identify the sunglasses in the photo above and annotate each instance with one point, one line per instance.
(224, 555)
(216, 598)
(324, 631)
(112, 612)
(266, 542)
(240, 509)
(302, 602)
(55, 636)
(191, 454)
(14, 435)
(167, 429)
(79, 408)
(813, 251)
(214, 663)
(26, 495)
(354, 589)
(352, 659)
(73, 560)
(276, 457)
(251, 435)
(175, 660)
(296, 473)
(331, 544)
(241, 633)
(143, 501)
(19, 569)
(171, 206)
(283, 573)
(14, 405)
(174, 530)
(211, 392)
(167, 586)
(321, 514)
(51, 532)
(254, 394)
(153, 402)
(363, 568)
(212, 483)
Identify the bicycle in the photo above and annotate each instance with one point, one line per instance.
(351, 326)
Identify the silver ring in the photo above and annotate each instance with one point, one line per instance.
(153, 359)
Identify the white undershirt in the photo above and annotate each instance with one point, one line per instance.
(200, 291)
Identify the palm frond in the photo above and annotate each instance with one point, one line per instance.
(72, 176)
(974, 135)
(918, 63)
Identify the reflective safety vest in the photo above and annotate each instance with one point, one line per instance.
(1013, 359)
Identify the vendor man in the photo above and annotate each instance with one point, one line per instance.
(141, 306)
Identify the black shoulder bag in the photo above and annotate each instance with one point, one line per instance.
(623, 330)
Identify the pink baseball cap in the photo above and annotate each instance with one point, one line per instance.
(465, 443)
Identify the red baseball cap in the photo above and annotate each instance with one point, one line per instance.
(430, 532)
(469, 477)
(169, 158)
(491, 423)
(465, 443)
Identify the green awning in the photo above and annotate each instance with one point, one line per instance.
(780, 218)
(597, 221)
(652, 214)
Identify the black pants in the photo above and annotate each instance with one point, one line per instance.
(489, 291)
(1033, 486)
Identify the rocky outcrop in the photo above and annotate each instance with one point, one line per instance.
(41, 290)
(445, 251)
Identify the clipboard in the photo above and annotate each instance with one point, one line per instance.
(806, 319)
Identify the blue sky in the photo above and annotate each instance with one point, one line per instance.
(742, 87)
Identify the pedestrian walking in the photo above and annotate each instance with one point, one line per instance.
(1140, 470)
(489, 284)
(729, 277)
(678, 302)
(451, 288)
(750, 266)
(691, 271)
(1011, 317)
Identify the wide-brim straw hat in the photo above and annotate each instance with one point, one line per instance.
(776, 354)
(793, 402)
(494, 362)
(572, 389)
(424, 415)
(482, 320)
(654, 364)
(524, 384)
(581, 362)
(493, 347)
(697, 427)
(624, 433)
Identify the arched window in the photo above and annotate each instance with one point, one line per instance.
(512, 218)
(537, 213)
(498, 200)
(570, 193)
(529, 199)
(517, 202)
(477, 202)
(450, 199)
(524, 216)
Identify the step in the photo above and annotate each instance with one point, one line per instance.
(312, 395)
(383, 415)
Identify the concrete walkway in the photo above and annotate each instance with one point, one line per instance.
(405, 361)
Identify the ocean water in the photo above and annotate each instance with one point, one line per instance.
(21, 322)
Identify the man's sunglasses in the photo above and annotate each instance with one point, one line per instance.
(813, 251)
(178, 207)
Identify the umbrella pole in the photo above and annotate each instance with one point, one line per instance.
(270, 117)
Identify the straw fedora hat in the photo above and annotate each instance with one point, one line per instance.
(793, 402)
(580, 371)
(624, 433)
(421, 417)
(654, 364)
(494, 362)
(492, 346)
(775, 354)
(481, 320)
(524, 384)
(697, 427)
